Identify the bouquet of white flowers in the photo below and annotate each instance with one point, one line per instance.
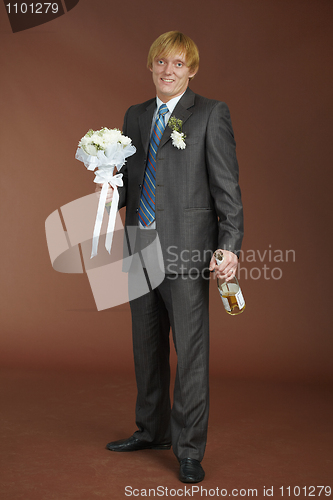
(105, 149)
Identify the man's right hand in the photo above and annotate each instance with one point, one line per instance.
(109, 193)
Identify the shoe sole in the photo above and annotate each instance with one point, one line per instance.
(190, 480)
(153, 447)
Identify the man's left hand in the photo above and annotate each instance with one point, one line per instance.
(227, 269)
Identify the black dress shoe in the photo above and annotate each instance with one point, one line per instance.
(134, 444)
(191, 471)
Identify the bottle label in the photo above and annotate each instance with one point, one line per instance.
(225, 302)
(240, 299)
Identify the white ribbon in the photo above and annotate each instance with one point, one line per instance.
(105, 176)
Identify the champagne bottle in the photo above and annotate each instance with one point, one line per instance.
(230, 291)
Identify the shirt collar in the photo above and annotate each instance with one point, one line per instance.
(171, 104)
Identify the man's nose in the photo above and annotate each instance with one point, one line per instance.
(168, 68)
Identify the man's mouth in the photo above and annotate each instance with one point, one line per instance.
(166, 80)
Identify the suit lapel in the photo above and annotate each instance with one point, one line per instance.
(181, 112)
(145, 124)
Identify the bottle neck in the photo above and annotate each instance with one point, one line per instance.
(218, 257)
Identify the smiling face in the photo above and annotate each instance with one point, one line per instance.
(170, 76)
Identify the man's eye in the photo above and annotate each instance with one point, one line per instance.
(179, 65)
(160, 61)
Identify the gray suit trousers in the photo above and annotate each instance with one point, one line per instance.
(181, 301)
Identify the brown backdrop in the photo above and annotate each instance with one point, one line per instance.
(270, 61)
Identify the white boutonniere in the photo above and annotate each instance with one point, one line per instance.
(177, 136)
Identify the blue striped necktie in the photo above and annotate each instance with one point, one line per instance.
(147, 201)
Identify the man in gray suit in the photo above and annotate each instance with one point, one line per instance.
(186, 190)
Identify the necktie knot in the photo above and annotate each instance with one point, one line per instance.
(163, 110)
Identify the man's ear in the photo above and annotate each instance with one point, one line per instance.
(150, 69)
(194, 72)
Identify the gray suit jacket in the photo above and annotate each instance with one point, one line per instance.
(198, 199)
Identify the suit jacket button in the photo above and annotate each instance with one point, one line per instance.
(140, 186)
(136, 210)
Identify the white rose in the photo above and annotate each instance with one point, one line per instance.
(97, 139)
(112, 136)
(84, 141)
(90, 149)
(178, 140)
(125, 140)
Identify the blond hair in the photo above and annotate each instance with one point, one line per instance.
(174, 42)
